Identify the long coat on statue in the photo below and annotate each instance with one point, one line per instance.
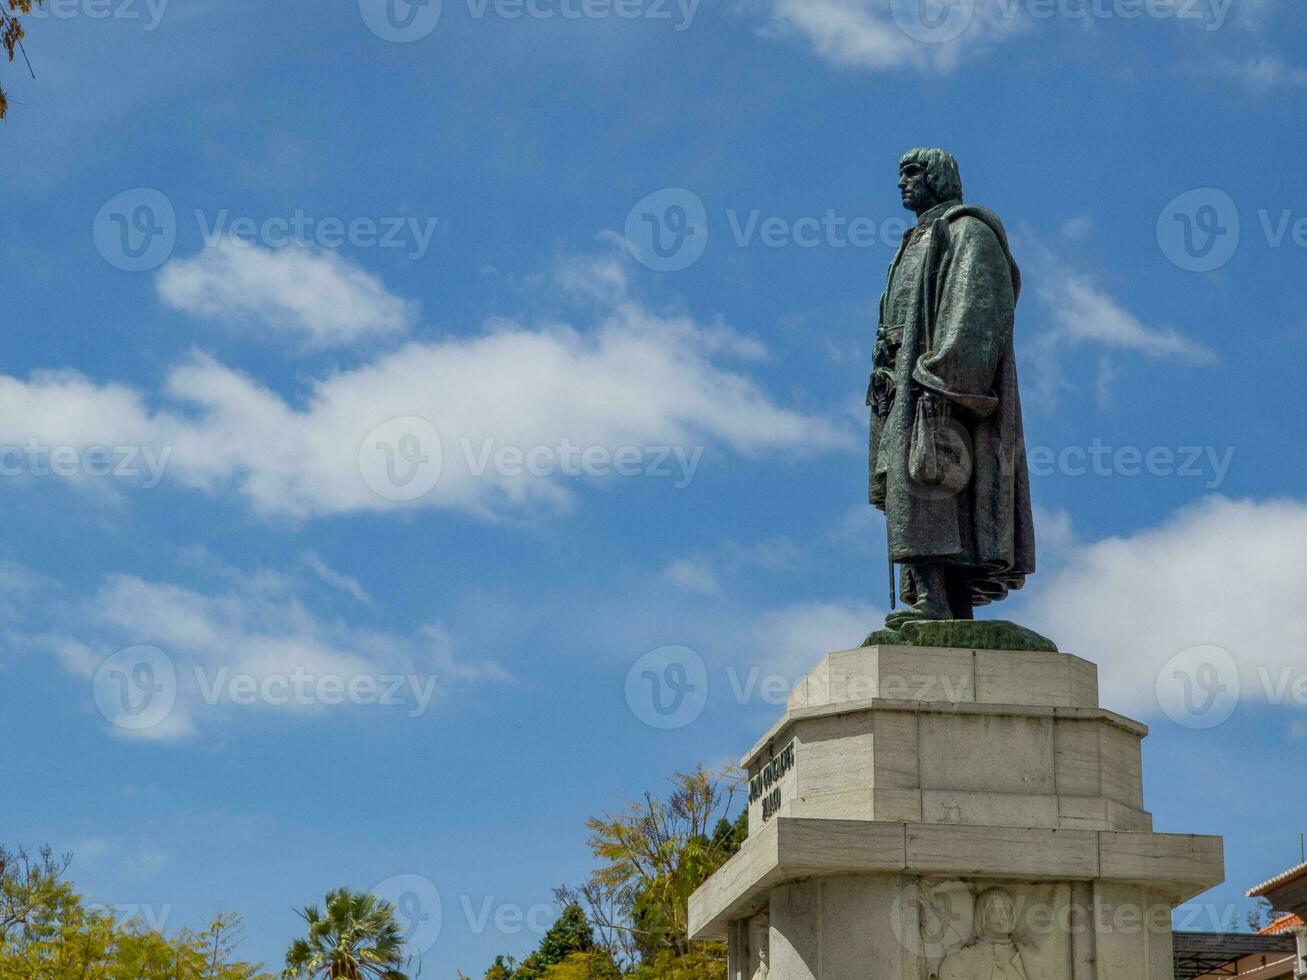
(957, 343)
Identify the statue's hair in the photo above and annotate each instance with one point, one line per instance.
(942, 174)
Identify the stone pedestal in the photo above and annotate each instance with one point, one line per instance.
(960, 814)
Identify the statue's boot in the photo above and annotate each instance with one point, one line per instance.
(927, 583)
(898, 617)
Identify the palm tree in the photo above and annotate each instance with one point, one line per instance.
(357, 939)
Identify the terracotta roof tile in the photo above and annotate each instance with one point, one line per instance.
(1284, 923)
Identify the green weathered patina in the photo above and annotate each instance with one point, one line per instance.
(963, 634)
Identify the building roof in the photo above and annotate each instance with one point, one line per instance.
(1285, 923)
(1279, 881)
(1200, 953)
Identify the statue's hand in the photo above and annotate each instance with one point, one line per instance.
(936, 405)
(880, 392)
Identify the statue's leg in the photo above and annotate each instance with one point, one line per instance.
(958, 585)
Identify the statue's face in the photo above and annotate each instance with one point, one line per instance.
(917, 195)
(996, 915)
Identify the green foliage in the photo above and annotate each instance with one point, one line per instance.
(595, 965)
(706, 962)
(656, 853)
(356, 938)
(48, 933)
(570, 936)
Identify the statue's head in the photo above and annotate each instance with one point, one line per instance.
(928, 177)
(996, 914)
(760, 939)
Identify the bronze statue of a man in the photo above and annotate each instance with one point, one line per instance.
(948, 455)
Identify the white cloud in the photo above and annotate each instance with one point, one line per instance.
(256, 645)
(693, 575)
(1083, 313)
(880, 35)
(1078, 228)
(339, 580)
(311, 297)
(1224, 572)
(793, 639)
(701, 572)
(1264, 72)
(633, 381)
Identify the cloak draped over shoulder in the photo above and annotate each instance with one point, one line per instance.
(957, 344)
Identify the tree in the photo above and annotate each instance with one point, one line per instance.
(30, 887)
(656, 853)
(568, 935)
(630, 919)
(357, 938)
(216, 946)
(69, 940)
(11, 35)
(594, 965)
(1262, 914)
(568, 951)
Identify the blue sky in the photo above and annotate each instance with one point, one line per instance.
(363, 454)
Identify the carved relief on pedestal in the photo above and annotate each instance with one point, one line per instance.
(759, 946)
(992, 952)
(979, 932)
